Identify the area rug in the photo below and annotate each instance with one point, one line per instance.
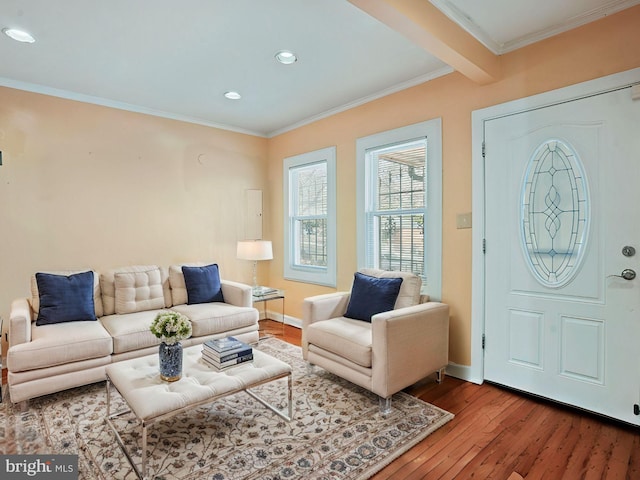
(337, 431)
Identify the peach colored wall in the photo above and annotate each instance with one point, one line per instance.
(89, 186)
(85, 186)
(601, 48)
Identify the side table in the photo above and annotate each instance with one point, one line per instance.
(264, 299)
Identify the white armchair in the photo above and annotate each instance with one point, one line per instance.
(394, 350)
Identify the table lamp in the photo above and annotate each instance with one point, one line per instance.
(256, 250)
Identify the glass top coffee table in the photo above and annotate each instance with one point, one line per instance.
(151, 399)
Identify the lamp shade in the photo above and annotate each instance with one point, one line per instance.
(255, 250)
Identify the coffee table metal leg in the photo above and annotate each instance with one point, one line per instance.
(287, 416)
(108, 397)
(144, 449)
(140, 474)
(290, 395)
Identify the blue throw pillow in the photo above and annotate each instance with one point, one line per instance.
(371, 295)
(203, 284)
(65, 298)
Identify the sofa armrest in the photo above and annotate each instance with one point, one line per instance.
(324, 307)
(321, 307)
(408, 344)
(236, 293)
(20, 322)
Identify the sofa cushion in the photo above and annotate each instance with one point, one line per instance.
(213, 318)
(60, 344)
(371, 295)
(138, 291)
(130, 331)
(179, 295)
(65, 298)
(203, 284)
(35, 294)
(108, 285)
(409, 294)
(346, 337)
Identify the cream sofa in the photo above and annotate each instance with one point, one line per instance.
(385, 353)
(43, 359)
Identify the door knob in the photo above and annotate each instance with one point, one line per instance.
(627, 274)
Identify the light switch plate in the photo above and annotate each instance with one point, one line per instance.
(463, 220)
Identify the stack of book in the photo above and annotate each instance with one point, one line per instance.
(224, 353)
(263, 291)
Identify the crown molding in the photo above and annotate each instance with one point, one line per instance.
(448, 8)
(361, 101)
(498, 48)
(459, 17)
(105, 102)
(54, 92)
(587, 17)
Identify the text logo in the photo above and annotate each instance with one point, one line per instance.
(50, 467)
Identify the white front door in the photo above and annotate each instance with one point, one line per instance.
(562, 218)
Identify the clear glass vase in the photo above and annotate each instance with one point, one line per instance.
(170, 360)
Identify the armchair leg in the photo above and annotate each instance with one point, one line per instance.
(440, 375)
(22, 406)
(310, 368)
(384, 405)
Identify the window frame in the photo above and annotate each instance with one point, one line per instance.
(310, 274)
(432, 131)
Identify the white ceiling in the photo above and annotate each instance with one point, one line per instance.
(506, 25)
(176, 59)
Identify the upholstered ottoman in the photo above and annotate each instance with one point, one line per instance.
(151, 399)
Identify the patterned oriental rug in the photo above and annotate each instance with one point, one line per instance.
(337, 431)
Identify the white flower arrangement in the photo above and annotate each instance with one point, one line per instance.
(171, 327)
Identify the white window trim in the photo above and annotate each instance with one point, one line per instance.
(320, 276)
(432, 130)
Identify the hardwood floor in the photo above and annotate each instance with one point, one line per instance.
(505, 435)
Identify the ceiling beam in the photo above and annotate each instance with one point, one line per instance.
(432, 30)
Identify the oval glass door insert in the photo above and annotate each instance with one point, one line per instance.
(554, 213)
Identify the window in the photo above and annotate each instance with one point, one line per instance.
(400, 202)
(310, 223)
(396, 209)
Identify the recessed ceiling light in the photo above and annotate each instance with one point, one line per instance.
(18, 35)
(286, 57)
(232, 95)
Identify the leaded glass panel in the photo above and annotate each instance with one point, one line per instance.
(555, 213)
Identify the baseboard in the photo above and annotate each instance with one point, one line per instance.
(276, 316)
(463, 372)
(293, 321)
